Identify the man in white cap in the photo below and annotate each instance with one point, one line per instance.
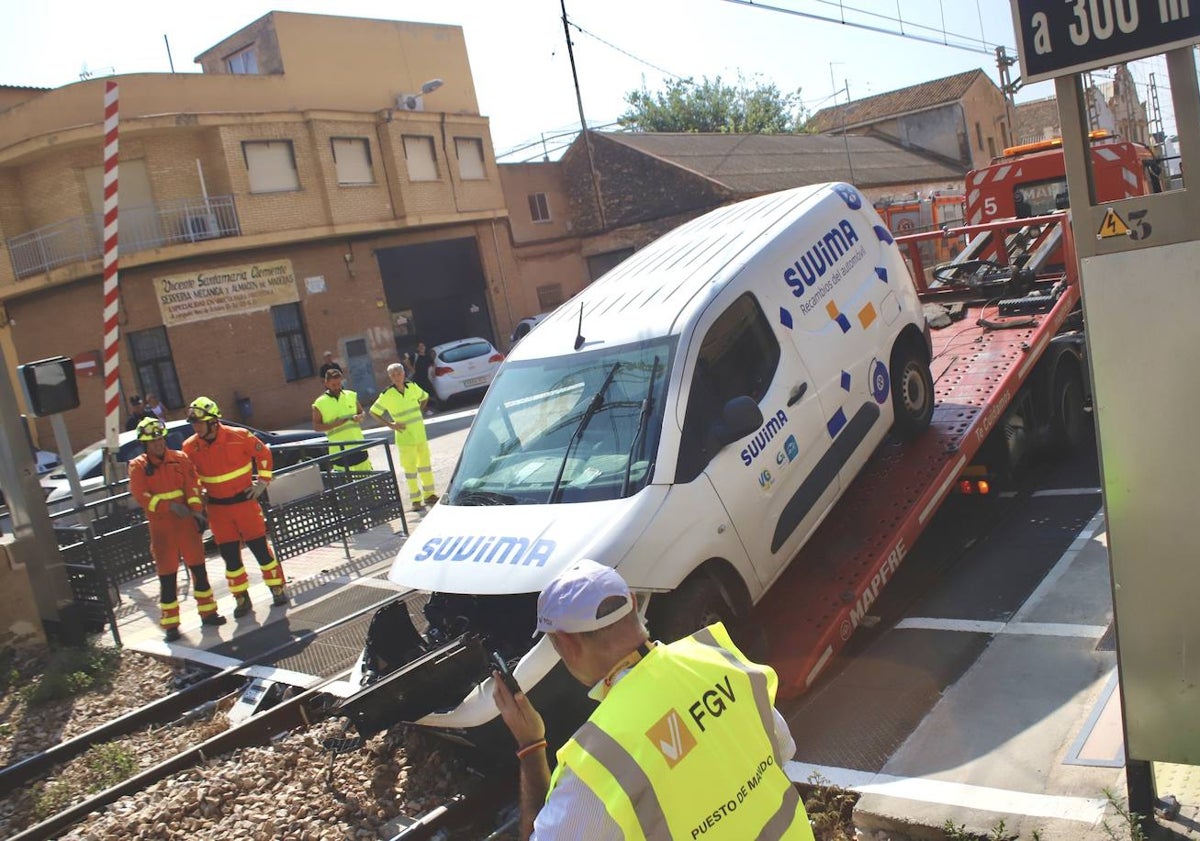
(685, 743)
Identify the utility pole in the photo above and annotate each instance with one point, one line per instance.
(845, 137)
(587, 140)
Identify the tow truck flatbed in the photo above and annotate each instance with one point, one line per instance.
(813, 608)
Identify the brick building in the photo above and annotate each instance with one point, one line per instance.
(963, 117)
(652, 182)
(300, 195)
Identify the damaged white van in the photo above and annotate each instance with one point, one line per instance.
(689, 418)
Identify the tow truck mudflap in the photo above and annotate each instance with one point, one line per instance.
(437, 680)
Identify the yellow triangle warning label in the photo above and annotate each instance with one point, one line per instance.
(1112, 225)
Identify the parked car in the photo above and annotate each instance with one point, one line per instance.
(89, 462)
(463, 366)
(524, 326)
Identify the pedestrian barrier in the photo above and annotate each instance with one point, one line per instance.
(306, 514)
(310, 504)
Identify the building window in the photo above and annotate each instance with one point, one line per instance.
(422, 163)
(991, 146)
(979, 136)
(470, 158)
(154, 366)
(271, 165)
(539, 208)
(243, 62)
(598, 264)
(352, 158)
(549, 296)
(293, 344)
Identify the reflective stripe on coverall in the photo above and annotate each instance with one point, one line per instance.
(411, 442)
(226, 468)
(171, 537)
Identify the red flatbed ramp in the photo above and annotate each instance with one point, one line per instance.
(814, 606)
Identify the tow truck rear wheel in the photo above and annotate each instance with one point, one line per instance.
(1068, 424)
(912, 391)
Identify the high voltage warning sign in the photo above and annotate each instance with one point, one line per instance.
(1112, 226)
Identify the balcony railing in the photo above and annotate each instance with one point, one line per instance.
(142, 228)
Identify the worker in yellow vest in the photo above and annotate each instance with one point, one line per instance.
(339, 415)
(686, 742)
(404, 403)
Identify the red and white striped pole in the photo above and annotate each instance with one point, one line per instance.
(112, 391)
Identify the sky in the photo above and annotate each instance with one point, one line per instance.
(518, 51)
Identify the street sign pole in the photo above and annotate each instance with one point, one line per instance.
(1137, 265)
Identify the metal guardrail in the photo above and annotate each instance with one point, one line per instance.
(142, 228)
(107, 542)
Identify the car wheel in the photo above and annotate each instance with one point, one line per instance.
(697, 603)
(912, 391)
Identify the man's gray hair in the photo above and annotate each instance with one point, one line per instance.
(395, 366)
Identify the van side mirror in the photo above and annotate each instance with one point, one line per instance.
(739, 417)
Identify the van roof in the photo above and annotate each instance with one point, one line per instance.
(648, 294)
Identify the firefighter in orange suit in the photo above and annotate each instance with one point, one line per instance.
(234, 468)
(164, 483)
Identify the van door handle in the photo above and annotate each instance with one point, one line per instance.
(797, 392)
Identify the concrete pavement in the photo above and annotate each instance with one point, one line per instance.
(1028, 741)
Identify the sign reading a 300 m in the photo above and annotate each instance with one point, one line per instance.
(1070, 36)
(215, 293)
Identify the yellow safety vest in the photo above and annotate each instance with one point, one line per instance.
(404, 407)
(682, 748)
(330, 407)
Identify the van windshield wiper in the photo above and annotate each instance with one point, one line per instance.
(593, 407)
(482, 498)
(638, 445)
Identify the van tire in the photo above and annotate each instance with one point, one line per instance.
(696, 603)
(912, 391)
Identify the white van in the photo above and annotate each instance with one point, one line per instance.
(689, 418)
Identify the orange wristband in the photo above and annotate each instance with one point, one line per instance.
(531, 749)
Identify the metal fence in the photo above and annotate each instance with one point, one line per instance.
(142, 228)
(310, 504)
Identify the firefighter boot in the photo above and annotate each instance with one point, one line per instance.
(280, 595)
(243, 606)
(172, 634)
(213, 620)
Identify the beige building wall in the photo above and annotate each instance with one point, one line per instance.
(355, 63)
(320, 78)
(984, 109)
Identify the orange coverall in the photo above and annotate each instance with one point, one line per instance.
(226, 468)
(171, 537)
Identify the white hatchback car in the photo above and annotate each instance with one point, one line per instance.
(463, 366)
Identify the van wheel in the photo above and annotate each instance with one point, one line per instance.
(1068, 424)
(697, 603)
(912, 391)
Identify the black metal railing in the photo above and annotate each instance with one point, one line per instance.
(106, 542)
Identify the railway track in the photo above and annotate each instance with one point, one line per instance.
(299, 708)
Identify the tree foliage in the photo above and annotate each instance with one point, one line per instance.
(712, 106)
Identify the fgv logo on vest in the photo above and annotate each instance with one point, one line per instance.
(671, 737)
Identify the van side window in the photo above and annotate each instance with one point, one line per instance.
(739, 356)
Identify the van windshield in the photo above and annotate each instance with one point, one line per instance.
(577, 428)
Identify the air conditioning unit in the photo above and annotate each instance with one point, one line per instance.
(199, 226)
(410, 102)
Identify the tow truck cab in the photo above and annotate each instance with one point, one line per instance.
(1030, 179)
(689, 418)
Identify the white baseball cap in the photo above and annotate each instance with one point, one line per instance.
(571, 601)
